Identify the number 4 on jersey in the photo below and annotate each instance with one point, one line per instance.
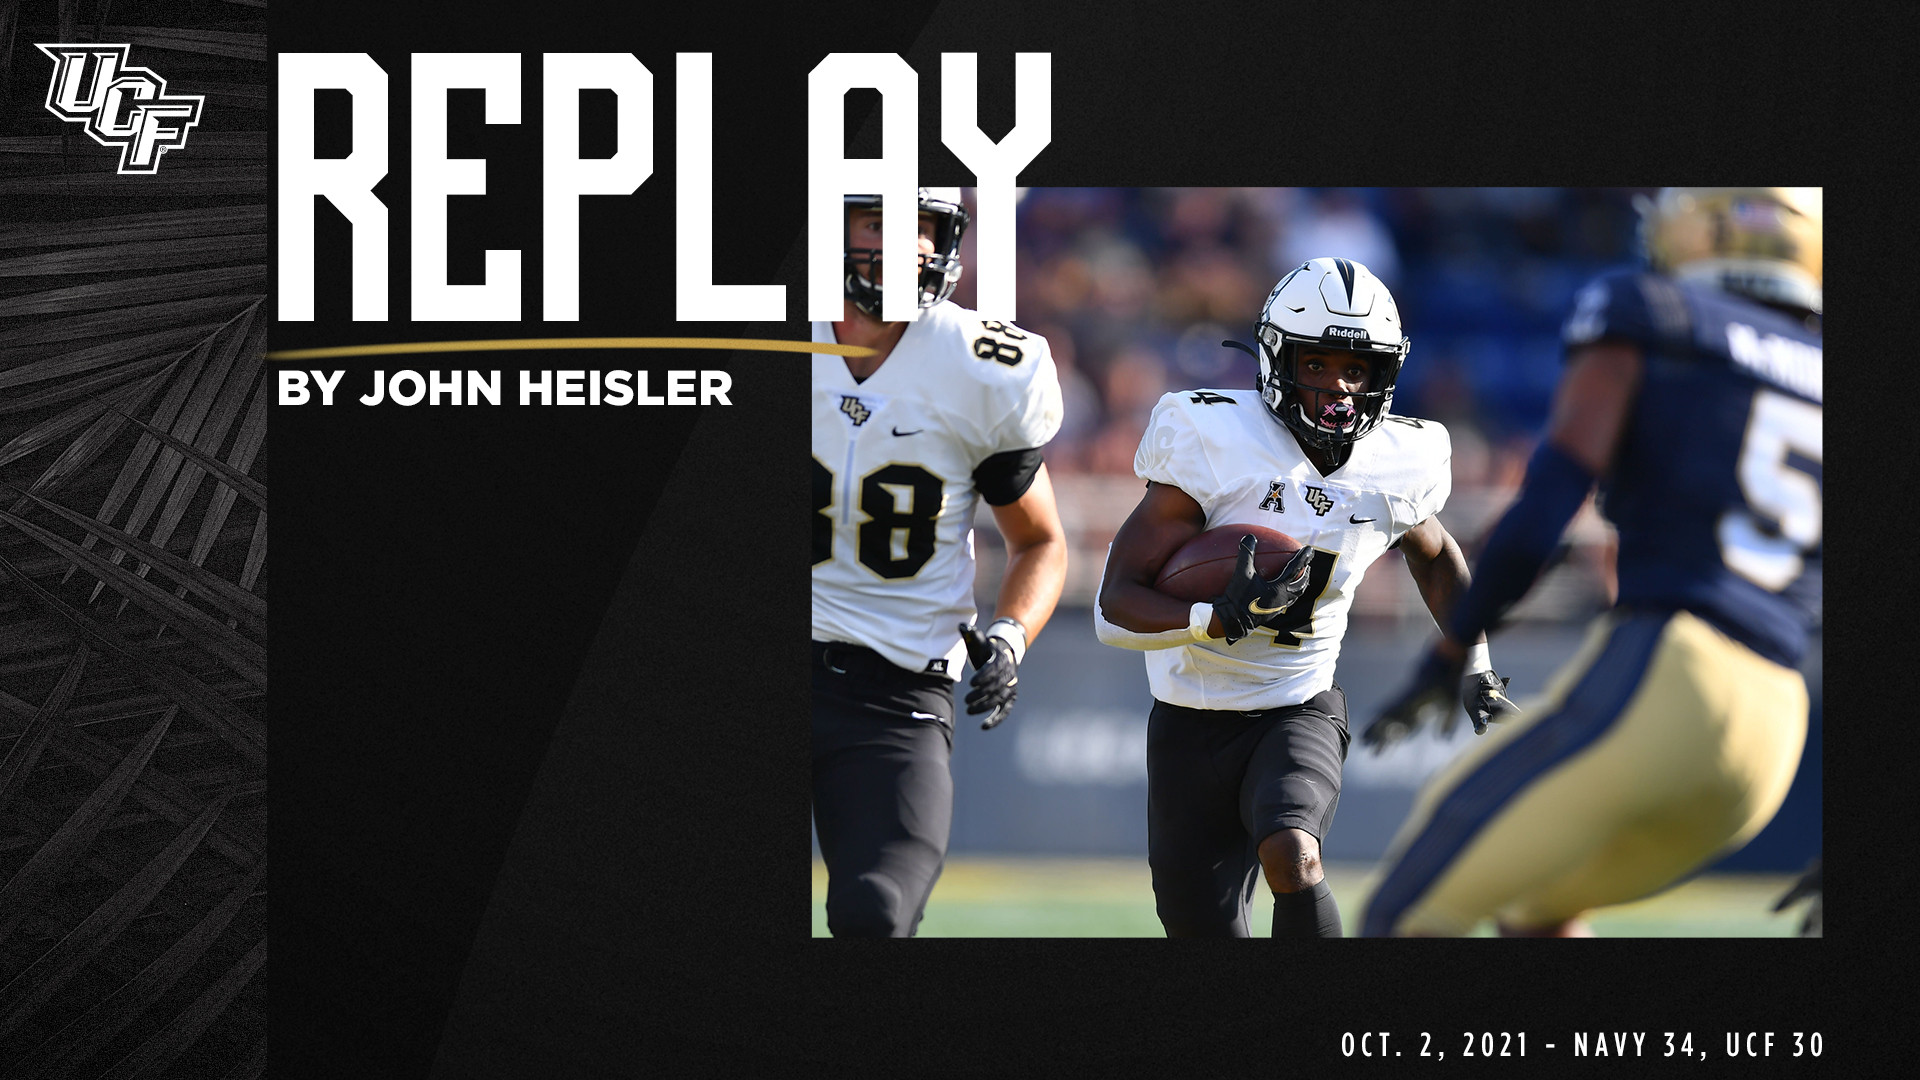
(1298, 621)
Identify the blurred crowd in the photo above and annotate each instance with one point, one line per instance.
(1136, 288)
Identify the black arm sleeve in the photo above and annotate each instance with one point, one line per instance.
(1004, 477)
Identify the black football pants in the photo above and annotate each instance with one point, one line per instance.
(1218, 783)
(882, 793)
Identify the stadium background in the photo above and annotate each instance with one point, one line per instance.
(1135, 289)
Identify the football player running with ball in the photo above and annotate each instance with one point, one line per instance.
(947, 408)
(1248, 730)
(1692, 396)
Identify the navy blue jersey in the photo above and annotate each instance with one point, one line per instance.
(1716, 487)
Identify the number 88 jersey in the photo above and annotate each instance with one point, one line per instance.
(959, 409)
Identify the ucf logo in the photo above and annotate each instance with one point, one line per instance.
(120, 104)
(855, 411)
(1272, 501)
(1319, 501)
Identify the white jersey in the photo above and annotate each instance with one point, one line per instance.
(893, 489)
(1225, 450)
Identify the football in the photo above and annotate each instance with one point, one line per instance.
(1199, 570)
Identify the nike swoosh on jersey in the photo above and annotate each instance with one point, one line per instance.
(915, 431)
(1359, 520)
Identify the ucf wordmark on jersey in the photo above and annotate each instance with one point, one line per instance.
(1223, 449)
(894, 462)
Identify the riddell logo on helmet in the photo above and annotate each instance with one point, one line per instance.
(1349, 332)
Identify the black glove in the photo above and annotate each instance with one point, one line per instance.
(1483, 694)
(1251, 600)
(1808, 885)
(1432, 690)
(996, 676)
(1485, 697)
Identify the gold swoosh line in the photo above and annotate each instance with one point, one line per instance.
(526, 344)
(1254, 608)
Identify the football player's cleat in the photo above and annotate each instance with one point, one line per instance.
(1329, 304)
(1763, 243)
(939, 272)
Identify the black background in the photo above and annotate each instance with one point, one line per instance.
(539, 682)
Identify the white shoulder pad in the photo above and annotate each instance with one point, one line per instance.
(1013, 371)
(1416, 467)
(1178, 446)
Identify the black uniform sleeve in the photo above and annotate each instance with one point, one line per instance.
(1004, 477)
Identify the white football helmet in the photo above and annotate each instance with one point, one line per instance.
(1329, 304)
(939, 272)
(1764, 243)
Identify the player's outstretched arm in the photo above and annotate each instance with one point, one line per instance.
(1165, 519)
(1036, 571)
(1438, 567)
(1593, 402)
(1591, 408)
(1439, 570)
(1590, 412)
(1036, 556)
(1452, 675)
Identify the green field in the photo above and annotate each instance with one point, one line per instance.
(1072, 897)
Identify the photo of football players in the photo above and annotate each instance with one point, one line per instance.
(1358, 378)
(1692, 398)
(945, 411)
(1248, 729)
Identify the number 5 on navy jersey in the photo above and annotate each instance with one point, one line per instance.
(1779, 474)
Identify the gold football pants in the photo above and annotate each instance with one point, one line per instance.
(1662, 744)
